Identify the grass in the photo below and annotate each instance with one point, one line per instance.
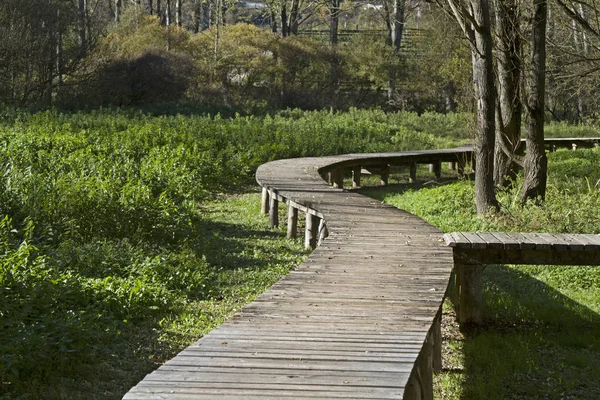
(244, 257)
(539, 339)
(126, 236)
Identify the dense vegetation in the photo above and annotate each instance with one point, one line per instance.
(118, 245)
(538, 338)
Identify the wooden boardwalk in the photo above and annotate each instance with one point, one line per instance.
(360, 319)
(351, 322)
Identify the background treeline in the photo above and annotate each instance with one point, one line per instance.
(396, 54)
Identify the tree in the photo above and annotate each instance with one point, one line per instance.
(473, 17)
(536, 163)
(394, 20)
(509, 107)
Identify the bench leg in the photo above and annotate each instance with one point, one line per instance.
(264, 203)
(310, 235)
(274, 212)
(338, 178)
(356, 177)
(292, 225)
(412, 177)
(323, 232)
(436, 169)
(470, 296)
(385, 174)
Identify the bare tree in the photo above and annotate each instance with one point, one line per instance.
(509, 106)
(474, 19)
(178, 5)
(536, 163)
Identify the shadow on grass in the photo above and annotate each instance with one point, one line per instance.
(536, 342)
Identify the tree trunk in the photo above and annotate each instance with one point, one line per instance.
(509, 107)
(150, 7)
(159, 10)
(536, 163)
(474, 20)
(197, 17)
(118, 4)
(178, 5)
(81, 27)
(293, 21)
(334, 22)
(168, 13)
(284, 27)
(273, 21)
(395, 24)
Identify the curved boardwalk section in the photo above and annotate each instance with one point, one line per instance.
(358, 320)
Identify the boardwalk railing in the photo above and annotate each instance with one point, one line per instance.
(359, 319)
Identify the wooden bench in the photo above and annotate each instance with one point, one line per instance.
(473, 249)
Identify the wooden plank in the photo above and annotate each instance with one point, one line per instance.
(477, 242)
(540, 243)
(491, 240)
(556, 242)
(508, 242)
(572, 243)
(587, 241)
(460, 240)
(525, 242)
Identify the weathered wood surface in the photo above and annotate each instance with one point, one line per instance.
(358, 320)
(472, 249)
(525, 248)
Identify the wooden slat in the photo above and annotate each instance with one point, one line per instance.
(477, 242)
(491, 241)
(589, 245)
(540, 243)
(556, 242)
(509, 242)
(460, 240)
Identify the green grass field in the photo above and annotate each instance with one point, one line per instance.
(126, 236)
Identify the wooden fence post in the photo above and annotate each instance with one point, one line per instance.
(412, 177)
(310, 235)
(436, 169)
(264, 201)
(323, 232)
(385, 174)
(470, 297)
(274, 212)
(436, 338)
(292, 225)
(338, 178)
(356, 176)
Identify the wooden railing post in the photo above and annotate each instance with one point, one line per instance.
(274, 212)
(310, 235)
(436, 169)
(264, 201)
(323, 232)
(356, 176)
(385, 174)
(420, 383)
(292, 225)
(412, 177)
(436, 338)
(470, 297)
(338, 178)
